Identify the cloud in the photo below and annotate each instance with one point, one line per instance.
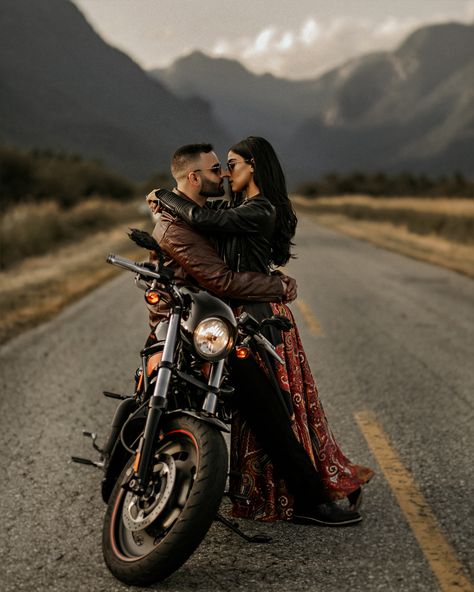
(316, 46)
(309, 32)
(262, 44)
(286, 42)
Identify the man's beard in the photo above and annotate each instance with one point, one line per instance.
(211, 189)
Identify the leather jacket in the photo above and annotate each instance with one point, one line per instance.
(195, 261)
(243, 233)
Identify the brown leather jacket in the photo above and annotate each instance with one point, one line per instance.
(195, 261)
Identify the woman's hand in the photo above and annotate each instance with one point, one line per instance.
(290, 289)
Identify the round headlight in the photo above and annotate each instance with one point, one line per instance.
(212, 338)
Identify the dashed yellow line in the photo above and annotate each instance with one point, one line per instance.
(309, 317)
(439, 553)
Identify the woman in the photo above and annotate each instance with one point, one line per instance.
(255, 234)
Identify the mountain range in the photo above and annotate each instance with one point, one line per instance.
(408, 109)
(64, 88)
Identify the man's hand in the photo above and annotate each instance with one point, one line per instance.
(290, 288)
(153, 202)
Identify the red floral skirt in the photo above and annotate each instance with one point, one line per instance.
(256, 490)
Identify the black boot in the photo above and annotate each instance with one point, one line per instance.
(328, 514)
(355, 499)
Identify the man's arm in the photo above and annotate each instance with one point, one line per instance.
(197, 256)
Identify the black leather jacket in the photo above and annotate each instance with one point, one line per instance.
(243, 233)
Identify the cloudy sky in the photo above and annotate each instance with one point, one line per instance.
(300, 39)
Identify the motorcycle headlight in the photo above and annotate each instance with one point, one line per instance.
(212, 338)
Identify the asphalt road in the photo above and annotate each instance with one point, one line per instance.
(396, 339)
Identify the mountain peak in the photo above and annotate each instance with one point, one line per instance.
(432, 36)
(199, 59)
(89, 97)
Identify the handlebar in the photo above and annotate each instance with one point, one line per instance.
(263, 342)
(246, 321)
(139, 268)
(252, 328)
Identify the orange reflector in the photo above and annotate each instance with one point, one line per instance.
(153, 362)
(152, 296)
(137, 462)
(242, 352)
(140, 380)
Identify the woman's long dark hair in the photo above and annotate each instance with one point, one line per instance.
(270, 179)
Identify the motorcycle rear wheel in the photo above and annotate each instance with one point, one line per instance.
(147, 538)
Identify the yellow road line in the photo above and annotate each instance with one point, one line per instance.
(309, 317)
(439, 553)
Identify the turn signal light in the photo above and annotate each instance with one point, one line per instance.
(242, 352)
(152, 296)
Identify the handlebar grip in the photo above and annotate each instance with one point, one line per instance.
(132, 266)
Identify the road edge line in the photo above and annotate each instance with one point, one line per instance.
(440, 555)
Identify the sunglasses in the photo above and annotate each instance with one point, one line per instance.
(233, 163)
(216, 168)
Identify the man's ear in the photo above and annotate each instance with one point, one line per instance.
(193, 179)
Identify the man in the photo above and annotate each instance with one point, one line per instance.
(198, 174)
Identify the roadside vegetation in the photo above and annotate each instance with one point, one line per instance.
(437, 230)
(32, 230)
(427, 206)
(384, 185)
(49, 200)
(59, 217)
(448, 218)
(37, 176)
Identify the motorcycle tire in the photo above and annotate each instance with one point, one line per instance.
(146, 539)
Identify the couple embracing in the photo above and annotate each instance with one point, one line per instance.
(285, 461)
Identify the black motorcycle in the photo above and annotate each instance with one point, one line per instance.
(165, 462)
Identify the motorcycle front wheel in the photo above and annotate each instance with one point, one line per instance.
(146, 538)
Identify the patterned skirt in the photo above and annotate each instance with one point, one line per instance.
(257, 492)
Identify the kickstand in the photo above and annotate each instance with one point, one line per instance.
(234, 527)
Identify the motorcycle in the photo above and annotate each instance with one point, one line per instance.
(165, 461)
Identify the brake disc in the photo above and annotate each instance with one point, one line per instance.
(139, 512)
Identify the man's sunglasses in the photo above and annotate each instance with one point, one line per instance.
(232, 164)
(216, 168)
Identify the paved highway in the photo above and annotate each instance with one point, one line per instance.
(390, 341)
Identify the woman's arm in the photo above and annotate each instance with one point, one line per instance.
(247, 218)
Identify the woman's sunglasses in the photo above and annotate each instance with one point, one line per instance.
(233, 163)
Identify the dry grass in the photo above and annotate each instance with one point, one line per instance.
(457, 206)
(452, 219)
(40, 287)
(427, 247)
(34, 229)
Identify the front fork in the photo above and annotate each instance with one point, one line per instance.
(158, 402)
(215, 378)
(156, 405)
